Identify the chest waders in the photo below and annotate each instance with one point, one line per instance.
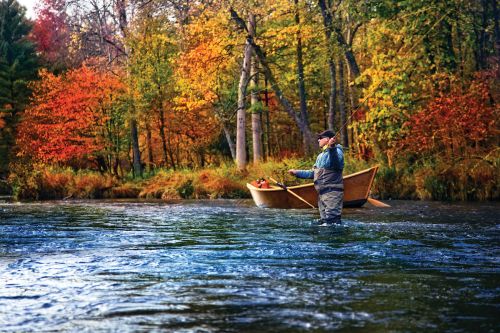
(330, 186)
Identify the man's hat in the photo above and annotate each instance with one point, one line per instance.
(325, 134)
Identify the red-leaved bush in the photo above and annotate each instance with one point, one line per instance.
(459, 120)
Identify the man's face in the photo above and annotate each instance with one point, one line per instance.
(323, 141)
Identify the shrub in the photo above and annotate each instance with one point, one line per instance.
(186, 189)
(463, 179)
(466, 179)
(26, 180)
(55, 184)
(92, 186)
(165, 184)
(221, 183)
(126, 190)
(437, 187)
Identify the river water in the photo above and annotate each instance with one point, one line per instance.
(227, 266)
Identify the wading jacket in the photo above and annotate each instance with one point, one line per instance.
(327, 171)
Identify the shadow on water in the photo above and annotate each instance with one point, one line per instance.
(229, 266)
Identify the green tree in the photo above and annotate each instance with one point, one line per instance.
(150, 79)
(18, 65)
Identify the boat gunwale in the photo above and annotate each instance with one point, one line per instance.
(277, 188)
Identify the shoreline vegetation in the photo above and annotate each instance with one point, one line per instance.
(444, 183)
(150, 101)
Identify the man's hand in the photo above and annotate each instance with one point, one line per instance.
(292, 172)
(332, 141)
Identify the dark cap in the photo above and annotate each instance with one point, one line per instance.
(325, 134)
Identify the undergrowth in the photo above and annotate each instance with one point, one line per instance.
(433, 180)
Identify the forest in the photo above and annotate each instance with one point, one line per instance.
(194, 98)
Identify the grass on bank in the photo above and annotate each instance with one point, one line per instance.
(467, 180)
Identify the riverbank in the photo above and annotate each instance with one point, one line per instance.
(453, 183)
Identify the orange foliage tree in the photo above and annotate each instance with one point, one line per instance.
(458, 122)
(72, 117)
(205, 72)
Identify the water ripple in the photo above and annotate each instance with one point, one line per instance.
(228, 266)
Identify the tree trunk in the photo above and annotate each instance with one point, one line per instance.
(170, 151)
(268, 121)
(230, 142)
(333, 95)
(304, 127)
(349, 56)
(256, 114)
(350, 81)
(149, 144)
(121, 12)
(163, 137)
(116, 164)
(255, 101)
(451, 57)
(130, 159)
(352, 107)
(482, 36)
(302, 87)
(135, 148)
(201, 154)
(496, 28)
(342, 108)
(241, 158)
(328, 23)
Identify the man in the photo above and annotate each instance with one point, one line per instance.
(327, 175)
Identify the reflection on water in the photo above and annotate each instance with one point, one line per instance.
(228, 266)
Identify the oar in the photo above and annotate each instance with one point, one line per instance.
(377, 203)
(291, 192)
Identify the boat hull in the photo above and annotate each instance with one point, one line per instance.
(356, 190)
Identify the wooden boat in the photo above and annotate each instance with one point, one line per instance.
(356, 190)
